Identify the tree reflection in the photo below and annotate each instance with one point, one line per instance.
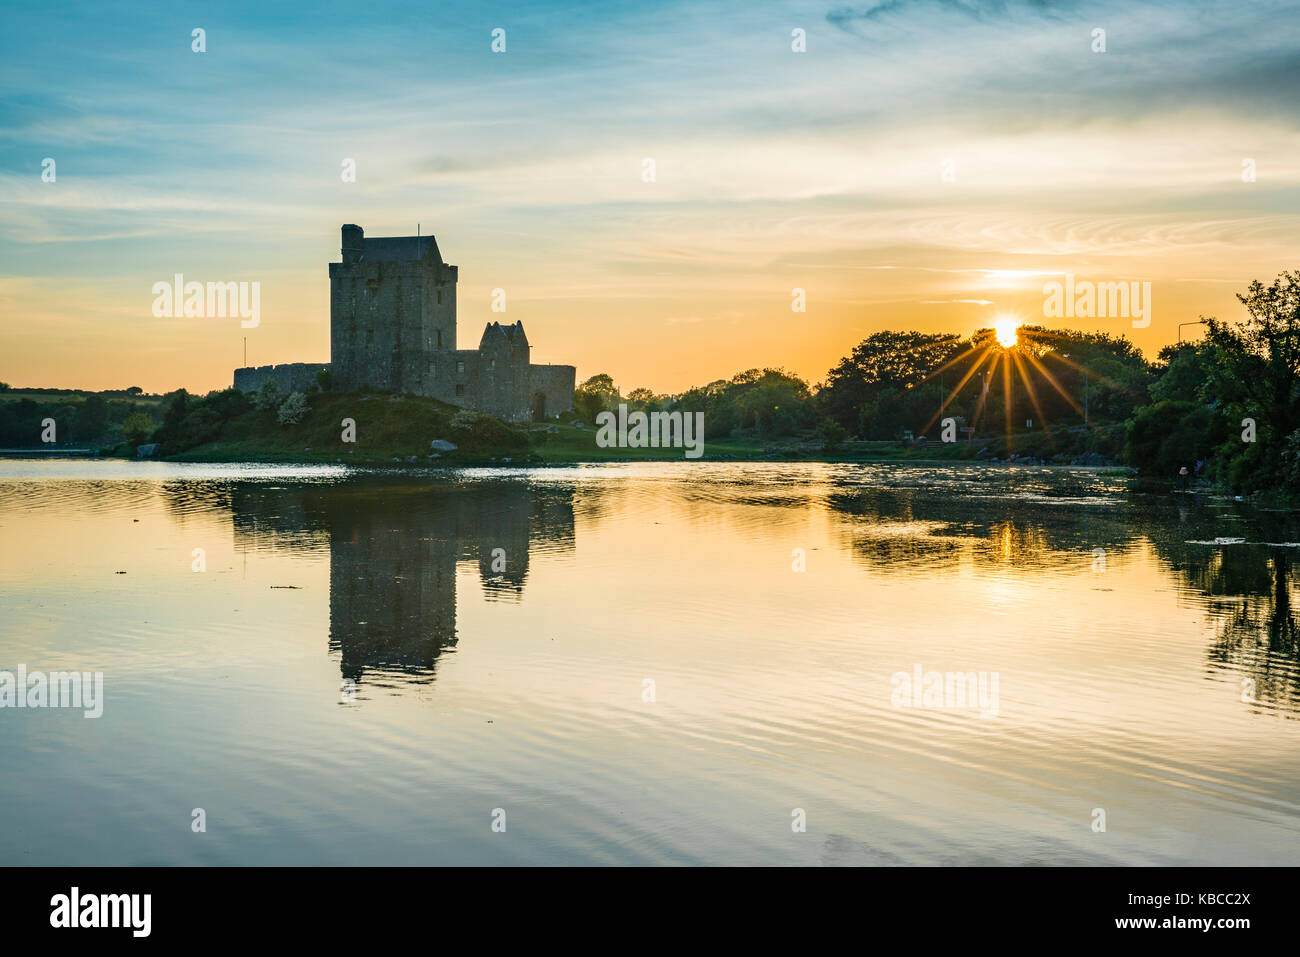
(1230, 559)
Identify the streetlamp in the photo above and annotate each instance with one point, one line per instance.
(1084, 369)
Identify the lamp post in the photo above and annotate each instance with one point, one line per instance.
(1198, 322)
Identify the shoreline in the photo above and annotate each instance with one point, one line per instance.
(533, 461)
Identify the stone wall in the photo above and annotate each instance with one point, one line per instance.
(555, 385)
(288, 376)
(503, 377)
(375, 325)
(509, 391)
(453, 377)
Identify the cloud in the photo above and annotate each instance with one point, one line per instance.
(979, 10)
(773, 168)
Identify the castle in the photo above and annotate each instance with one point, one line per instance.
(393, 329)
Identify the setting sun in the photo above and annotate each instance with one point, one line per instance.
(1005, 329)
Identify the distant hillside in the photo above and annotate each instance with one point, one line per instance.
(83, 419)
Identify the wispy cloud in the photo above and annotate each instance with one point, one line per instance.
(919, 155)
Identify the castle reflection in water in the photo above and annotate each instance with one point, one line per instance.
(394, 548)
(395, 543)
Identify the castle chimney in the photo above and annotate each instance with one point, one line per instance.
(354, 243)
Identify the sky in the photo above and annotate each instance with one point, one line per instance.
(921, 165)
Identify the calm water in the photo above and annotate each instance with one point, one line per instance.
(372, 663)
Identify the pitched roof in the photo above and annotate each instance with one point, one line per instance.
(399, 248)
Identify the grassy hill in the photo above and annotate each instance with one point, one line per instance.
(386, 428)
(397, 430)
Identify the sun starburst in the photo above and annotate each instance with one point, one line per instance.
(1004, 327)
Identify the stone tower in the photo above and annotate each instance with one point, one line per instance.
(393, 329)
(392, 306)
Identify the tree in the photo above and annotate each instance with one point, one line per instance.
(832, 435)
(267, 398)
(883, 362)
(137, 428)
(176, 406)
(91, 419)
(717, 404)
(641, 398)
(1254, 371)
(772, 401)
(293, 410)
(1167, 436)
(1106, 373)
(1185, 374)
(598, 394)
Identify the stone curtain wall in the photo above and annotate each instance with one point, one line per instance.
(288, 376)
(507, 392)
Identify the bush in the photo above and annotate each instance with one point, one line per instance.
(189, 421)
(293, 410)
(832, 435)
(137, 428)
(1164, 437)
(267, 398)
(474, 430)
